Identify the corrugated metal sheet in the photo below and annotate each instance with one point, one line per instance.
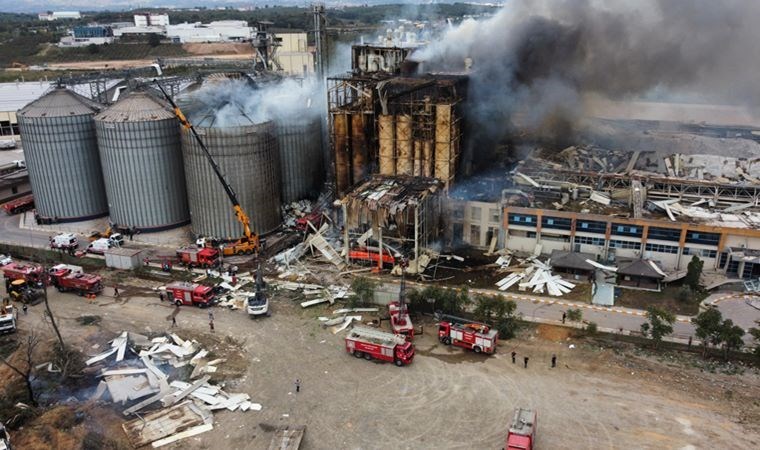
(302, 167)
(249, 159)
(60, 147)
(142, 164)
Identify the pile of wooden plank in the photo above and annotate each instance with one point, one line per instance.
(538, 277)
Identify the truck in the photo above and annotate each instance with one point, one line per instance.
(371, 343)
(71, 279)
(186, 293)
(464, 333)
(64, 241)
(258, 303)
(33, 273)
(198, 257)
(7, 319)
(19, 205)
(522, 431)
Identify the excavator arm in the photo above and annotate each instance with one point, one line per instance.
(241, 216)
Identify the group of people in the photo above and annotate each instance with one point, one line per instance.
(526, 359)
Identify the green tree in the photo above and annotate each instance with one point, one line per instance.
(591, 328)
(659, 324)
(708, 328)
(731, 336)
(693, 273)
(755, 332)
(363, 292)
(574, 315)
(498, 312)
(93, 49)
(154, 40)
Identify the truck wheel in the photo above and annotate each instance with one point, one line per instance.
(249, 252)
(178, 302)
(398, 363)
(60, 288)
(446, 340)
(477, 349)
(240, 252)
(358, 354)
(368, 357)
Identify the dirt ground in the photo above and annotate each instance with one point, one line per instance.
(218, 49)
(597, 397)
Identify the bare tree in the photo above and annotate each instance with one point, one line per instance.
(25, 367)
(52, 321)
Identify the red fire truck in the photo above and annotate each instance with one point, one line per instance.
(19, 205)
(522, 432)
(71, 278)
(185, 293)
(371, 343)
(464, 333)
(198, 257)
(32, 273)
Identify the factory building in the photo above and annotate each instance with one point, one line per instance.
(293, 54)
(217, 31)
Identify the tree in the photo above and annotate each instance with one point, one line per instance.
(499, 312)
(93, 49)
(363, 291)
(732, 337)
(154, 40)
(574, 315)
(755, 332)
(708, 327)
(25, 367)
(659, 324)
(49, 315)
(693, 273)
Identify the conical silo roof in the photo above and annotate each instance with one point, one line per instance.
(60, 102)
(136, 107)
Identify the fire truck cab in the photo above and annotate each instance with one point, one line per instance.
(198, 257)
(522, 431)
(33, 273)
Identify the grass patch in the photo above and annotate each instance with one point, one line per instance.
(89, 320)
(667, 299)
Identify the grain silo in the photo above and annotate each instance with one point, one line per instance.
(247, 155)
(61, 152)
(301, 159)
(140, 152)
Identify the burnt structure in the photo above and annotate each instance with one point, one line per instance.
(384, 123)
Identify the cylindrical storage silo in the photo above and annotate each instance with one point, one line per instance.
(141, 156)
(300, 143)
(61, 152)
(249, 160)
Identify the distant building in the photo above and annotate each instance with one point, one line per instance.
(85, 35)
(123, 31)
(294, 55)
(218, 31)
(59, 15)
(151, 20)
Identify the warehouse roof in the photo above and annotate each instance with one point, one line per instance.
(14, 96)
(137, 106)
(571, 260)
(641, 268)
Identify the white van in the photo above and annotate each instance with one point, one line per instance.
(99, 246)
(117, 239)
(64, 240)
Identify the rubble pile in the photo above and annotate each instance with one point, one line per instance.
(294, 211)
(186, 405)
(535, 275)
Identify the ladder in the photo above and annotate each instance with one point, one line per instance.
(377, 335)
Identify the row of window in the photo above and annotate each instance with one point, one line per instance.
(8, 129)
(589, 240)
(662, 248)
(614, 243)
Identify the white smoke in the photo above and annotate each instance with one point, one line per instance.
(232, 103)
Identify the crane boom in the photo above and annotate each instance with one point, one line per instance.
(242, 217)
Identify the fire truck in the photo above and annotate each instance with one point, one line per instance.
(401, 323)
(32, 273)
(71, 278)
(464, 333)
(19, 205)
(198, 257)
(371, 343)
(522, 432)
(185, 293)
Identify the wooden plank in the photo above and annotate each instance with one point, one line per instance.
(162, 423)
(185, 434)
(287, 438)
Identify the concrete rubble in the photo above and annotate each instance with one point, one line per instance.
(144, 370)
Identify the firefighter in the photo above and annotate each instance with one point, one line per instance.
(211, 325)
(161, 296)
(174, 321)
(564, 316)
(554, 361)
(514, 354)
(298, 385)
(115, 292)
(25, 308)
(525, 360)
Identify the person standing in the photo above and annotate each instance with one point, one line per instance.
(25, 308)
(115, 292)
(564, 316)
(525, 360)
(554, 361)
(210, 316)
(514, 354)
(211, 325)
(298, 385)
(161, 296)
(174, 321)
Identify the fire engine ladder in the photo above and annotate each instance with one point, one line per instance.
(460, 320)
(377, 335)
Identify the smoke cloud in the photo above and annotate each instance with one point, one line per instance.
(544, 56)
(234, 103)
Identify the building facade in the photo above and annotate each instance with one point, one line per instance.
(294, 54)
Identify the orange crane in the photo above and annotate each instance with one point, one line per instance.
(247, 244)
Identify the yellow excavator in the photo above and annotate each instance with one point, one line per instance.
(249, 243)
